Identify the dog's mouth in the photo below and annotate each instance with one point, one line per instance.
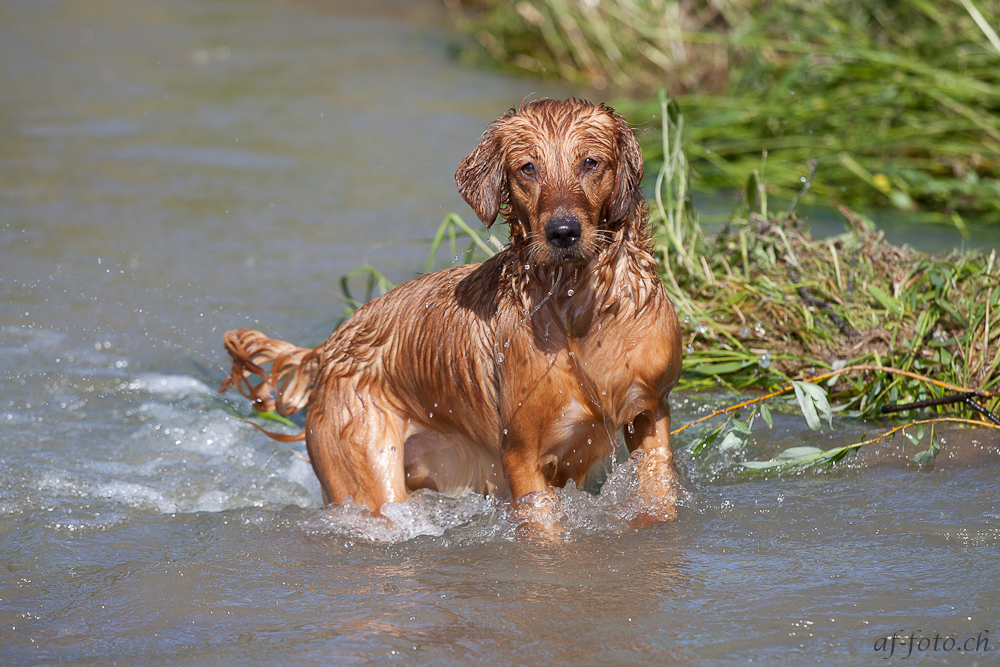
(564, 238)
(573, 254)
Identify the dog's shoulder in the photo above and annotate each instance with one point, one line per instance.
(485, 289)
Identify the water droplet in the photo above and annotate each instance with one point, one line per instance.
(689, 349)
(435, 405)
(505, 431)
(765, 360)
(701, 328)
(527, 266)
(604, 393)
(631, 427)
(569, 293)
(589, 441)
(745, 333)
(500, 358)
(687, 319)
(431, 415)
(427, 305)
(759, 328)
(507, 344)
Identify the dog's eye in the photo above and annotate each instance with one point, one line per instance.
(590, 164)
(528, 169)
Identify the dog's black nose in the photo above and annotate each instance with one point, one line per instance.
(562, 232)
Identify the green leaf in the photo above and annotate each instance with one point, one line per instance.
(793, 456)
(762, 465)
(927, 456)
(732, 440)
(812, 401)
(886, 301)
(943, 305)
(706, 441)
(721, 369)
(800, 453)
(741, 427)
(807, 408)
(766, 415)
(274, 416)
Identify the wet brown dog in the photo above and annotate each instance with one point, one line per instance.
(510, 376)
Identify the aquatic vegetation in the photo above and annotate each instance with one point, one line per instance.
(898, 102)
(763, 302)
(765, 305)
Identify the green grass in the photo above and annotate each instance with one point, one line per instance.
(897, 102)
(762, 302)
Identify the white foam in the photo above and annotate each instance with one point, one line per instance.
(211, 461)
(135, 495)
(212, 501)
(74, 521)
(424, 513)
(31, 339)
(169, 386)
(212, 433)
(300, 472)
(427, 513)
(52, 483)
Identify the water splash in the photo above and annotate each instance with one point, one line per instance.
(472, 518)
(424, 513)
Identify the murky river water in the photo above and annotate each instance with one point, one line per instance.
(171, 170)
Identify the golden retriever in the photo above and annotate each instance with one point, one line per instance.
(514, 375)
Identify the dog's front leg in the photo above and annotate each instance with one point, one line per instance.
(535, 506)
(656, 477)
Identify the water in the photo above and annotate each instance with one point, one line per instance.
(169, 171)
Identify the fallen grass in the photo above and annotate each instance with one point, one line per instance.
(763, 302)
(851, 323)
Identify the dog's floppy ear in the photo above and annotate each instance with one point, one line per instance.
(480, 176)
(629, 171)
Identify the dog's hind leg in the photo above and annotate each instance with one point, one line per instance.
(355, 444)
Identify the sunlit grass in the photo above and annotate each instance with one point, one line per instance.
(897, 102)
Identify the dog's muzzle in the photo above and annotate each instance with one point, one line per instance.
(563, 231)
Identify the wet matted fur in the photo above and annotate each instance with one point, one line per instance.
(510, 376)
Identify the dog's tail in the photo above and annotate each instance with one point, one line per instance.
(285, 388)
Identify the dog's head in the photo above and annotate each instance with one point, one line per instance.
(561, 173)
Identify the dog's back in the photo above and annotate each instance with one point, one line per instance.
(413, 367)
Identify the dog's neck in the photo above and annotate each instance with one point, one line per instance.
(619, 278)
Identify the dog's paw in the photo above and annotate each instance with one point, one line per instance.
(656, 487)
(537, 517)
